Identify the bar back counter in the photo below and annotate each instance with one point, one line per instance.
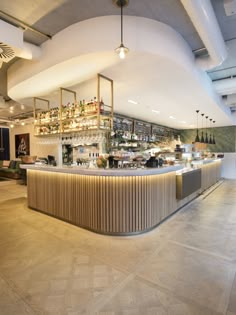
(117, 202)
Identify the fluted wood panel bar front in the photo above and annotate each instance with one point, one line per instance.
(105, 204)
(211, 174)
(111, 201)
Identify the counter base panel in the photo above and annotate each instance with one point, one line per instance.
(188, 183)
(115, 205)
(112, 205)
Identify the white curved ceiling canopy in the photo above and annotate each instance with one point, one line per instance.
(160, 64)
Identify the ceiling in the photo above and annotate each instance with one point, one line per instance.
(137, 72)
(50, 19)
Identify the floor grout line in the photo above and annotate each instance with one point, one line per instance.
(225, 258)
(16, 293)
(208, 227)
(226, 310)
(212, 189)
(176, 295)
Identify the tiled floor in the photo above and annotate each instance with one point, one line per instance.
(186, 266)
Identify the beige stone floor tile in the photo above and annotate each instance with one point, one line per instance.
(191, 274)
(11, 303)
(74, 235)
(24, 252)
(139, 297)
(66, 283)
(9, 205)
(202, 209)
(46, 224)
(124, 253)
(218, 216)
(9, 208)
(232, 299)
(207, 239)
(216, 200)
(60, 269)
(12, 192)
(9, 231)
(220, 221)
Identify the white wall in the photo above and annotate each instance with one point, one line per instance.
(229, 166)
(39, 146)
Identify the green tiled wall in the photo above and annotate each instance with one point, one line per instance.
(225, 138)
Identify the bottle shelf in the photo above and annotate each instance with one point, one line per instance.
(47, 123)
(75, 116)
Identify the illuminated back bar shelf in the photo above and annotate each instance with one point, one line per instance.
(74, 116)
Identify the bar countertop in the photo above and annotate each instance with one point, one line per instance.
(102, 172)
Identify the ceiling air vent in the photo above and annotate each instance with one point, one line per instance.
(6, 52)
(12, 44)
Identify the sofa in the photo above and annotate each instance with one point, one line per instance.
(10, 169)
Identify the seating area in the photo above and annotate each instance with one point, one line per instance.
(10, 169)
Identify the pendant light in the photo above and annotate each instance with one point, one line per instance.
(210, 141)
(121, 50)
(213, 140)
(206, 137)
(197, 139)
(202, 137)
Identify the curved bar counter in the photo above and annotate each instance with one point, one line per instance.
(118, 202)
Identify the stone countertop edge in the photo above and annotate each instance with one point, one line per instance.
(103, 172)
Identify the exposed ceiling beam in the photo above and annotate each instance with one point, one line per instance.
(22, 24)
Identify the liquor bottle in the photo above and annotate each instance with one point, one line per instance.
(72, 110)
(94, 105)
(90, 110)
(38, 118)
(68, 110)
(101, 106)
(77, 110)
(81, 108)
(63, 109)
(57, 113)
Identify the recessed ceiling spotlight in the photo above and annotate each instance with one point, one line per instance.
(155, 111)
(11, 125)
(171, 117)
(183, 122)
(23, 123)
(132, 102)
(22, 106)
